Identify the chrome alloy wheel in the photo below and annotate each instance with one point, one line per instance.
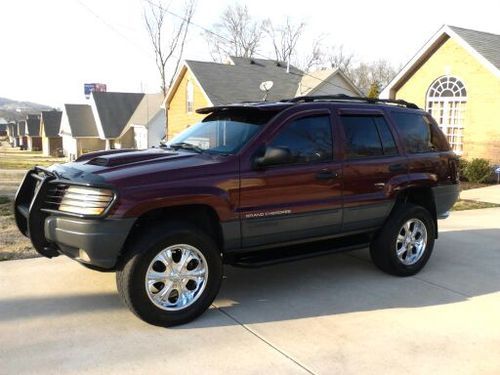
(176, 277)
(411, 242)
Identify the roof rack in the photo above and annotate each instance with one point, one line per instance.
(345, 98)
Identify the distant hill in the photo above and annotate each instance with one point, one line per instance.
(13, 110)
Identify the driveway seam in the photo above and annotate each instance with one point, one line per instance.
(251, 331)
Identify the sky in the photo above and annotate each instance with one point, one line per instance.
(50, 48)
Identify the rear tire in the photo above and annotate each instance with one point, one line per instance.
(405, 243)
(170, 275)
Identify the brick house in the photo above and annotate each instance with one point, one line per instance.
(455, 76)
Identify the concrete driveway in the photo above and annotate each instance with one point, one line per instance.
(329, 315)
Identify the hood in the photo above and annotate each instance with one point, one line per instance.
(122, 157)
(118, 166)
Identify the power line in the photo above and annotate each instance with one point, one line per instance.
(110, 26)
(233, 42)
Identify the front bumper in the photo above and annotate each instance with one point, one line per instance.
(97, 242)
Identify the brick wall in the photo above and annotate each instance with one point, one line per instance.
(481, 119)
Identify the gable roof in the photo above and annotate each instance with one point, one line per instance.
(486, 44)
(245, 76)
(80, 120)
(485, 47)
(33, 125)
(312, 82)
(51, 123)
(112, 110)
(146, 111)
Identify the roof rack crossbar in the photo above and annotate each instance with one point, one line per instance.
(343, 97)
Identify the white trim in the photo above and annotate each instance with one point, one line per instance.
(438, 38)
(97, 119)
(177, 81)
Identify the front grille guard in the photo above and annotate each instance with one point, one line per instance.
(28, 209)
(38, 197)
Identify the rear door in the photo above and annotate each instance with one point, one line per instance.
(373, 168)
(297, 200)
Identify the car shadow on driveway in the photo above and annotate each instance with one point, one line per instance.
(464, 265)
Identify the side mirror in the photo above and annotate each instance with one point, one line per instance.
(273, 156)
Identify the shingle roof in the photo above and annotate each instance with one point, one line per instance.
(81, 120)
(33, 125)
(147, 109)
(240, 81)
(51, 123)
(114, 110)
(486, 44)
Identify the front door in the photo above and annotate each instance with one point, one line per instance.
(299, 199)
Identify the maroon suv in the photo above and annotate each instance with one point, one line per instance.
(250, 185)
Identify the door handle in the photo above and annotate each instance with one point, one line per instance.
(326, 174)
(397, 168)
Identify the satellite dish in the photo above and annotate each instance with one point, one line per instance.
(266, 86)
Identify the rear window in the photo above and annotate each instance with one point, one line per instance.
(367, 136)
(419, 133)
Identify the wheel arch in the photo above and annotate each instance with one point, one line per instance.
(421, 196)
(202, 216)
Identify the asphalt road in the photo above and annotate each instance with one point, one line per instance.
(331, 315)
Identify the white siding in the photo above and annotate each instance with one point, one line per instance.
(156, 129)
(70, 148)
(334, 85)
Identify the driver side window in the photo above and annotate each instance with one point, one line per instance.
(309, 139)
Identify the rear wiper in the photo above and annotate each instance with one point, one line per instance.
(187, 146)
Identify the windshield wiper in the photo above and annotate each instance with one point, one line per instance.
(186, 146)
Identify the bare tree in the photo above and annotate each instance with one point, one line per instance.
(336, 57)
(284, 38)
(377, 73)
(167, 38)
(236, 34)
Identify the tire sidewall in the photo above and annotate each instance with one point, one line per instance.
(141, 260)
(413, 212)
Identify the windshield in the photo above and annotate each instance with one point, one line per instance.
(221, 132)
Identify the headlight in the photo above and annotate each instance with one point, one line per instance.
(86, 200)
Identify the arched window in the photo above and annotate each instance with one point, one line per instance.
(446, 100)
(189, 97)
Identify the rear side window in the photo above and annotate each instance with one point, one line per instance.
(309, 139)
(367, 136)
(419, 133)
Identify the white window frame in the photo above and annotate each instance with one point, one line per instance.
(448, 110)
(189, 97)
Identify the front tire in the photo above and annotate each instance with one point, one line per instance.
(170, 276)
(405, 243)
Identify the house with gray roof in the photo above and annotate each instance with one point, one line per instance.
(33, 133)
(146, 126)
(50, 124)
(201, 83)
(12, 134)
(3, 126)
(455, 76)
(112, 112)
(79, 131)
(22, 139)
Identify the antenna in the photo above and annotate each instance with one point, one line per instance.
(265, 87)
